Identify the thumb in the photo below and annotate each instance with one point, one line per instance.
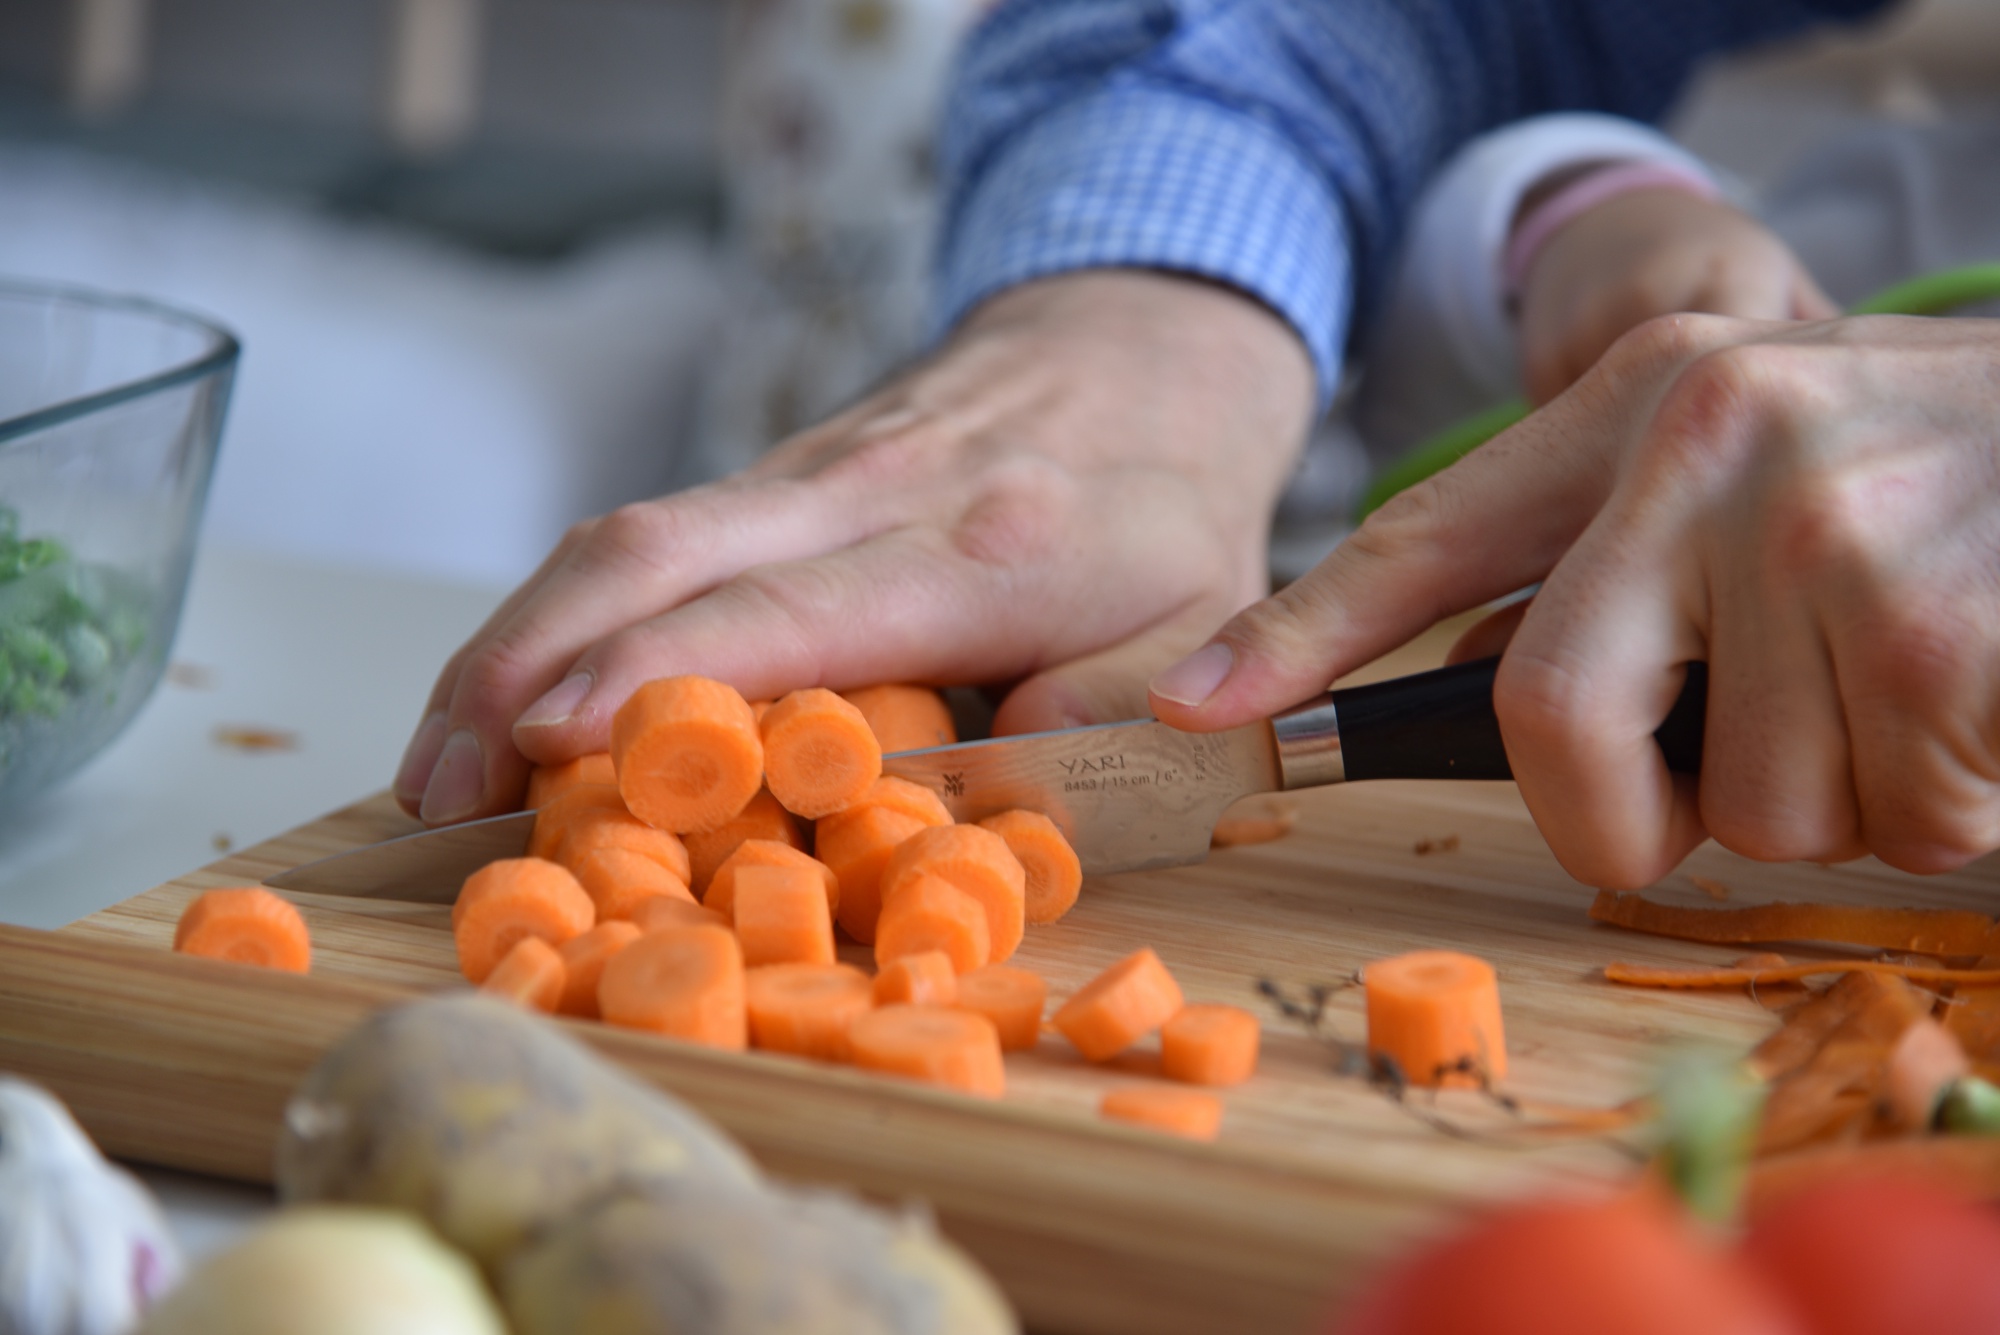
(1108, 686)
(1492, 523)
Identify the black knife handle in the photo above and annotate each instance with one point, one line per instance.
(1440, 725)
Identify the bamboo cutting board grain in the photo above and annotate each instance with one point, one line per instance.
(1090, 1227)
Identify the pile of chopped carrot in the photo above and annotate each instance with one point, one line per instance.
(669, 888)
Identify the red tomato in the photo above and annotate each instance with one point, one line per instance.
(1626, 1265)
(1881, 1256)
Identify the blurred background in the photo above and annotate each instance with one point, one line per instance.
(501, 264)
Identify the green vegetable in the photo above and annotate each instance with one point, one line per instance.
(71, 636)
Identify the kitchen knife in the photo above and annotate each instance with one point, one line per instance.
(1135, 795)
(1126, 795)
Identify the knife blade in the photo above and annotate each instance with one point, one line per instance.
(1128, 796)
(427, 867)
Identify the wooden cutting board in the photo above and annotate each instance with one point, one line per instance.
(1090, 1227)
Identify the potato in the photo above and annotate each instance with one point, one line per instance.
(331, 1270)
(489, 1123)
(764, 1263)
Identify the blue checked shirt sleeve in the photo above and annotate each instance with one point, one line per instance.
(1273, 145)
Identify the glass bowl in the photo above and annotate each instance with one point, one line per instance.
(110, 413)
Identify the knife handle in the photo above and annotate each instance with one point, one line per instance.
(1439, 725)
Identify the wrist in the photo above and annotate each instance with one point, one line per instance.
(1546, 211)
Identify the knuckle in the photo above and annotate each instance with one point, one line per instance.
(796, 599)
(1918, 649)
(1936, 837)
(1024, 508)
(1540, 703)
(645, 534)
(492, 674)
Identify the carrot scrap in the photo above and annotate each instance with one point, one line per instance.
(1806, 1030)
(1711, 887)
(554, 821)
(245, 925)
(1236, 831)
(857, 846)
(806, 1009)
(530, 974)
(819, 755)
(953, 1048)
(1013, 999)
(763, 819)
(781, 916)
(618, 881)
(1120, 1006)
(1053, 874)
(904, 717)
(1178, 1112)
(512, 898)
(584, 958)
(687, 753)
(1925, 1062)
(254, 739)
(930, 913)
(1650, 975)
(978, 862)
(672, 911)
(546, 781)
(682, 982)
(1833, 1092)
(1210, 1045)
(1771, 996)
(721, 894)
(1919, 931)
(1436, 1015)
(1973, 1017)
(922, 978)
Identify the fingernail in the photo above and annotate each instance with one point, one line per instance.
(558, 704)
(1194, 678)
(420, 758)
(460, 776)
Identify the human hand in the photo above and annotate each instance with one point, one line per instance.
(1643, 254)
(1813, 510)
(1075, 490)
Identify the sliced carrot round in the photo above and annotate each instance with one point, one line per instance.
(762, 819)
(856, 850)
(953, 1048)
(978, 862)
(1012, 998)
(1210, 1045)
(545, 782)
(618, 881)
(721, 894)
(594, 830)
(1054, 875)
(806, 1009)
(1436, 1014)
(904, 717)
(1120, 1006)
(673, 911)
(530, 974)
(687, 753)
(924, 978)
(682, 982)
(584, 958)
(819, 755)
(930, 913)
(246, 925)
(554, 821)
(1179, 1112)
(781, 917)
(512, 898)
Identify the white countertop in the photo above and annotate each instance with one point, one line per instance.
(341, 659)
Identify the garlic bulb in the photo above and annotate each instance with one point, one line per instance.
(83, 1249)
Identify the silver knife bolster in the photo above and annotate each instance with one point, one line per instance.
(1308, 743)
